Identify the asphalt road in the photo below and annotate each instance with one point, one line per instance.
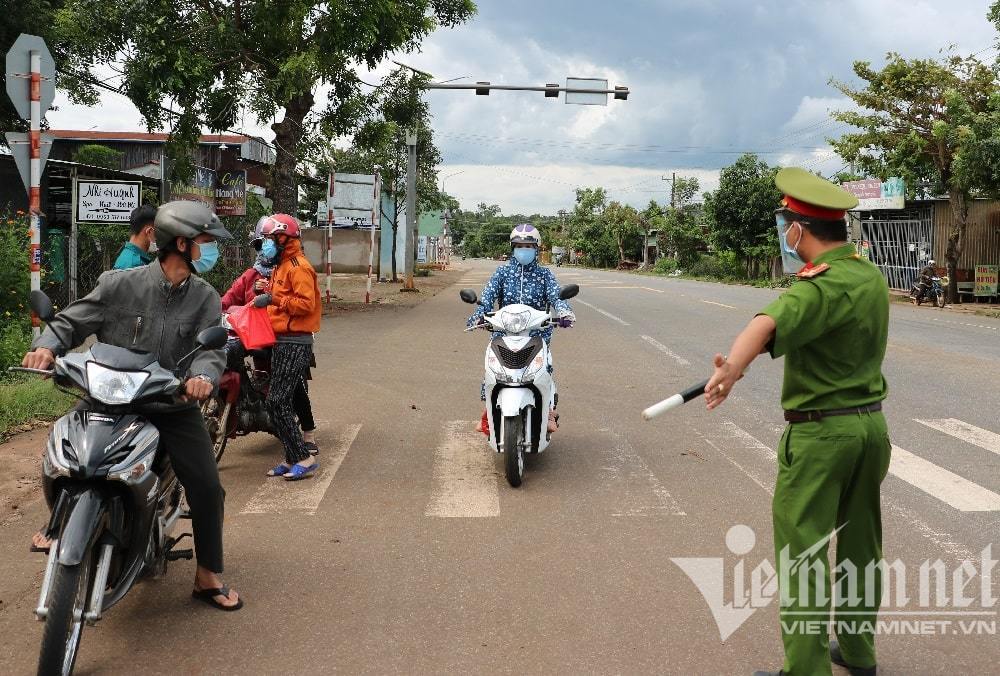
(409, 553)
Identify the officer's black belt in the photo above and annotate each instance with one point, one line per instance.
(812, 416)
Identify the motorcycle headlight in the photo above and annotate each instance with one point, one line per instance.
(113, 387)
(515, 322)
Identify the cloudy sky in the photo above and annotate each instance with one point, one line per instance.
(709, 78)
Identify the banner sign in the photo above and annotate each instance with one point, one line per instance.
(353, 198)
(200, 189)
(231, 194)
(106, 201)
(986, 280)
(421, 249)
(874, 194)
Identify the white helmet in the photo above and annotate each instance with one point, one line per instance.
(931, 262)
(526, 233)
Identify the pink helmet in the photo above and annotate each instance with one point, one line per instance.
(278, 224)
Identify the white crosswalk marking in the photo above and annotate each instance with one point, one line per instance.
(938, 482)
(465, 477)
(976, 436)
(276, 496)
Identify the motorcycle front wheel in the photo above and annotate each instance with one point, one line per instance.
(64, 622)
(513, 449)
(940, 299)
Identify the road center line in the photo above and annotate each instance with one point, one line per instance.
(277, 497)
(649, 288)
(606, 314)
(465, 479)
(938, 482)
(712, 302)
(976, 436)
(665, 350)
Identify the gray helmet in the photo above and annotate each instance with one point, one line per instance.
(188, 219)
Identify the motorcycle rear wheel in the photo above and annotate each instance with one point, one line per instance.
(513, 449)
(216, 413)
(64, 622)
(939, 300)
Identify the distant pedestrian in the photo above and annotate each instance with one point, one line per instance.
(141, 246)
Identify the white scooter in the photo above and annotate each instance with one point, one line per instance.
(520, 391)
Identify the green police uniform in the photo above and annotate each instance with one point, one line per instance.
(832, 328)
(132, 256)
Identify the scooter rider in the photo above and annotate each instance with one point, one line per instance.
(523, 280)
(160, 308)
(926, 274)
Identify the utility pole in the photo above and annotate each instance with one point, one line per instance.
(673, 182)
(409, 240)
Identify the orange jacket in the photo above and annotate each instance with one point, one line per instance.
(295, 300)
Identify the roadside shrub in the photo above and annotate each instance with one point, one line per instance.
(15, 340)
(709, 265)
(665, 266)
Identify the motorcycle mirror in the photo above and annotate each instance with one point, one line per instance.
(41, 305)
(469, 296)
(213, 338)
(569, 291)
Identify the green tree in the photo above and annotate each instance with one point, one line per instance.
(740, 213)
(587, 231)
(622, 223)
(97, 155)
(928, 119)
(214, 59)
(679, 228)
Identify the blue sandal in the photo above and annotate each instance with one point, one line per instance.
(298, 472)
(279, 470)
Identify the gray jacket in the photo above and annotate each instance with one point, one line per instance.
(139, 309)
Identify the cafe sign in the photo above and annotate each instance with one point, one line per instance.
(231, 194)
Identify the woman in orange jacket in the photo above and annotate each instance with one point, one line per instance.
(293, 305)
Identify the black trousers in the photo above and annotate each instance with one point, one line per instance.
(289, 363)
(189, 447)
(303, 407)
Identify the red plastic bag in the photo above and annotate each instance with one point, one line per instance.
(253, 326)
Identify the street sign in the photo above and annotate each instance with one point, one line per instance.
(582, 99)
(18, 74)
(106, 201)
(20, 148)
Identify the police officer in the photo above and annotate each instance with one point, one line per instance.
(831, 326)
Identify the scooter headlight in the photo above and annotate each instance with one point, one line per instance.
(516, 322)
(113, 387)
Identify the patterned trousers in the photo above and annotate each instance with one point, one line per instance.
(289, 363)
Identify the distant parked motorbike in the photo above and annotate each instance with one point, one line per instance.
(520, 391)
(933, 292)
(113, 495)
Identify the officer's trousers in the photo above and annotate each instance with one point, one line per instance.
(829, 473)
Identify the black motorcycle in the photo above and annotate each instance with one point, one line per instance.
(933, 292)
(114, 498)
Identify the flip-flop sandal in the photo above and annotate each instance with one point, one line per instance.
(39, 550)
(208, 596)
(279, 470)
(299, 472)
(312, 448)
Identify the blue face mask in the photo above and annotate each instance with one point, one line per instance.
(209, 257)
(525, 256)
(269, 250)
(783, 228)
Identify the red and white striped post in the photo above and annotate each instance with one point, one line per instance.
(329, 237)
(376, 210)
(34, 189)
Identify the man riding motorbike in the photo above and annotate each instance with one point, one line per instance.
(293, 304)
(159, 309)
(252, 283)
(524, 281)
(926, 274)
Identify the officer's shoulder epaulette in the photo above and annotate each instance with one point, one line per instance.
(811, 271)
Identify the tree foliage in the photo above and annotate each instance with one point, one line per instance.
(740, 213)
(934, 120)
(214, 59)
(97, 155)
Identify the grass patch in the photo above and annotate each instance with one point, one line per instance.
(995, 314)
(31, 399)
